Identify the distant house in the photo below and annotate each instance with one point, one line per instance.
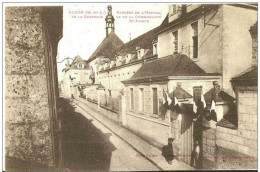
(75, 75)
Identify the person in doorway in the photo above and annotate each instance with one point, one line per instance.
(196, 156)
(167, 151)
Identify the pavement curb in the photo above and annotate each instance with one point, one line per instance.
(132, 146)
(143, 138)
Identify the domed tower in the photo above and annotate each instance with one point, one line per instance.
(109, 21)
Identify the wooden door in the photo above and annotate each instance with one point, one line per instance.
(187, 134)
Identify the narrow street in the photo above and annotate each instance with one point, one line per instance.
(88, 144)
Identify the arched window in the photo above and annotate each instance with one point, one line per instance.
(80, 65)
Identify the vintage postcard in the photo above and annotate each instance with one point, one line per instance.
(130, 86)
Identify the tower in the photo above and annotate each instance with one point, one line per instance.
(109, 21)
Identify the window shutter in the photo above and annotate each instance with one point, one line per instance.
(197, 94)
(155, 101)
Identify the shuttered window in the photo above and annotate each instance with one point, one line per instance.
(195, 39)
(175, 42)
(132, 98)
(141, 99)
(197, 94)
(155, 101)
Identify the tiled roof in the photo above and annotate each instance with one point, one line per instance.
(173, 65)
(107, 46)
(248, 77)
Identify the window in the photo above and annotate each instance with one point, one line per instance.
(155, 101)
(139, 54)
(80, 65)
(175, 42)
(195, 40)
(131, 98)
(197, 94)
(154, 49)
(141, 99)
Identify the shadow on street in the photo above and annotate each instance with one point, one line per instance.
(84, 147)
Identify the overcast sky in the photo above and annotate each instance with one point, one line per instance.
(81, 36)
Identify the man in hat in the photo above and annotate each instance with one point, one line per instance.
(167, 151)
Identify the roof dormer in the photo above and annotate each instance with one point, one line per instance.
(140, 52)
(112, 63)
(119, 59)
(105, 65)
(155, 47)
(128, 57)
(175, 11)
(80, 65)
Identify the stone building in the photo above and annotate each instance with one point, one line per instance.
(31, 87)
(75, 76)
(208, 34)
(105, 50)
(191, 56)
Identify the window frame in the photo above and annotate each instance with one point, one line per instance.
(176, 41)
(141, 99)
(195, 40)
(174, 9)
(155, 49)
(152, 88)
(131, 96)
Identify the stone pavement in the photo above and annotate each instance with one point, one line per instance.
(144, 149)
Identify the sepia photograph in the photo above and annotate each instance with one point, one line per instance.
(130, 86)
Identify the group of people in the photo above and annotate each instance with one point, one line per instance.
(167, 152)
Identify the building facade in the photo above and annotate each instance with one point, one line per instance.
(75, 75)
(174, 80)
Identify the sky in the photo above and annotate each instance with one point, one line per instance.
(82, 35)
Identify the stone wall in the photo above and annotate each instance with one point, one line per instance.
(109, 113)
(244, 139)
(28, 71)
(209, 144)
(230, 148)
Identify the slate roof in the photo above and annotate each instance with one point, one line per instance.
(144, 41)
(107, 47)
(173, 65)
(248, 77)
